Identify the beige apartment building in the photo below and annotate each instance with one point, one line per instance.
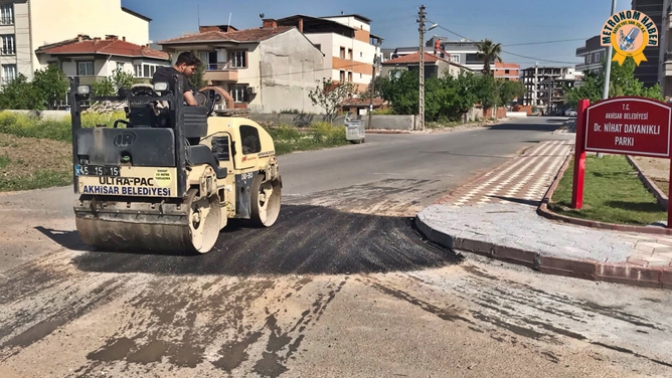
(346, 41)
(27, 25)
(267, 69)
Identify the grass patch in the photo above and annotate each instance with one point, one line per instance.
(61, 130)
(612, 193)
(30, 163)
(289, 139)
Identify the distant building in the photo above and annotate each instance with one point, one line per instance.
(592, 53)
(435, 66)
(346, 41)
(544, 86)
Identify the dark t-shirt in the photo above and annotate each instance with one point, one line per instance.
(166, 75)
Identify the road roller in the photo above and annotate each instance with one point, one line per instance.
(168, 177)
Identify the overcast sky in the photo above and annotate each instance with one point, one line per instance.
(507, 22)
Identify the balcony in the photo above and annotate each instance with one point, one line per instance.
(220, 72)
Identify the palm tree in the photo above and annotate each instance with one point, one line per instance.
(489, 52)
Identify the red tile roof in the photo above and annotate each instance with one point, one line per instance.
(414, 58)
(240, 36)
(112, 46)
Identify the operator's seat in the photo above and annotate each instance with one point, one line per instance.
(150, 113)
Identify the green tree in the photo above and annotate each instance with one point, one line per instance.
(21, 94)
(489, 52)
(198, 78)
(110, 86)
(52, 85)
(622, 82)
(329, 96)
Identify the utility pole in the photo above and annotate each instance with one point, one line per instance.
(373, 90)
(421, 97)
(607, 75)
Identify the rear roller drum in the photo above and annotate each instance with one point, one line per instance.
(197, 235)
(266, 201)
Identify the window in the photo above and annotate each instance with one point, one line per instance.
(120, 66)
(238, 58)
(361, 54)
(350, 54)
(238, 93)
(596, 57)
(506, 71)
(350, 77)
(455, 58)
(8, 72)
(145, 70)
(8, 45)
(342, 76)
(250, 138)
(6, 14)
(85, 68)
(342, 52)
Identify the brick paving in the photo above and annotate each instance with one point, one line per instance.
(523, 179)
(499, 210)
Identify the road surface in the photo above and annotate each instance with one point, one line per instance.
(342, 285)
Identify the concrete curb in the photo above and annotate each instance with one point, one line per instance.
(649, 184)
(629, 274)
(546, 213)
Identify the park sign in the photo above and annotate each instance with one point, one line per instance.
(627, 125)
(629, 32)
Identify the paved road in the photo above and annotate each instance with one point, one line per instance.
(341, 286)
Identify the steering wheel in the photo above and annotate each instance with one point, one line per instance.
(212, 99)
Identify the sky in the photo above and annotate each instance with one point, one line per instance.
(510, 23)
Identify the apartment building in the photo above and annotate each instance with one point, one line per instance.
(544, 86)
(506, 71)
(95, 58)
(348, 45)
(592, 53)
(653, 69)
(26, 25)
(267, 69)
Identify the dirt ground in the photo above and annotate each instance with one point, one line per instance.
(658, 170)
(29, 163)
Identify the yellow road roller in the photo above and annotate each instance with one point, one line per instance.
(168, 177)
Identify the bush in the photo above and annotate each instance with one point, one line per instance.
(29, 126)
(326, 134)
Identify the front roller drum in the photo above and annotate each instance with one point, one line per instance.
(197, 232)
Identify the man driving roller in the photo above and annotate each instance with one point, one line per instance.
(184, 67)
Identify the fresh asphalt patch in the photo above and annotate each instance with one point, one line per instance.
(305, 240)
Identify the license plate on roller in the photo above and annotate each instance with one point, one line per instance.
(96, 170)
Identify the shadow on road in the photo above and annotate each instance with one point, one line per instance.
(526, 127)
(67, 239)
(305, 240)
(518, 200)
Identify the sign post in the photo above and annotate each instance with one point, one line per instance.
(633, 126)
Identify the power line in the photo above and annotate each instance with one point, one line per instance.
(504, 52)
(545, 42)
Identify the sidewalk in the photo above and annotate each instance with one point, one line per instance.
(496, 215)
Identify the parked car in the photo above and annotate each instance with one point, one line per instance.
(570, 113)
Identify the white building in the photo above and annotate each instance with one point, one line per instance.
(346, 41)
(26, 25)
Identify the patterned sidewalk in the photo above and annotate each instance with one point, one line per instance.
(524, 179)
(469, 213)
